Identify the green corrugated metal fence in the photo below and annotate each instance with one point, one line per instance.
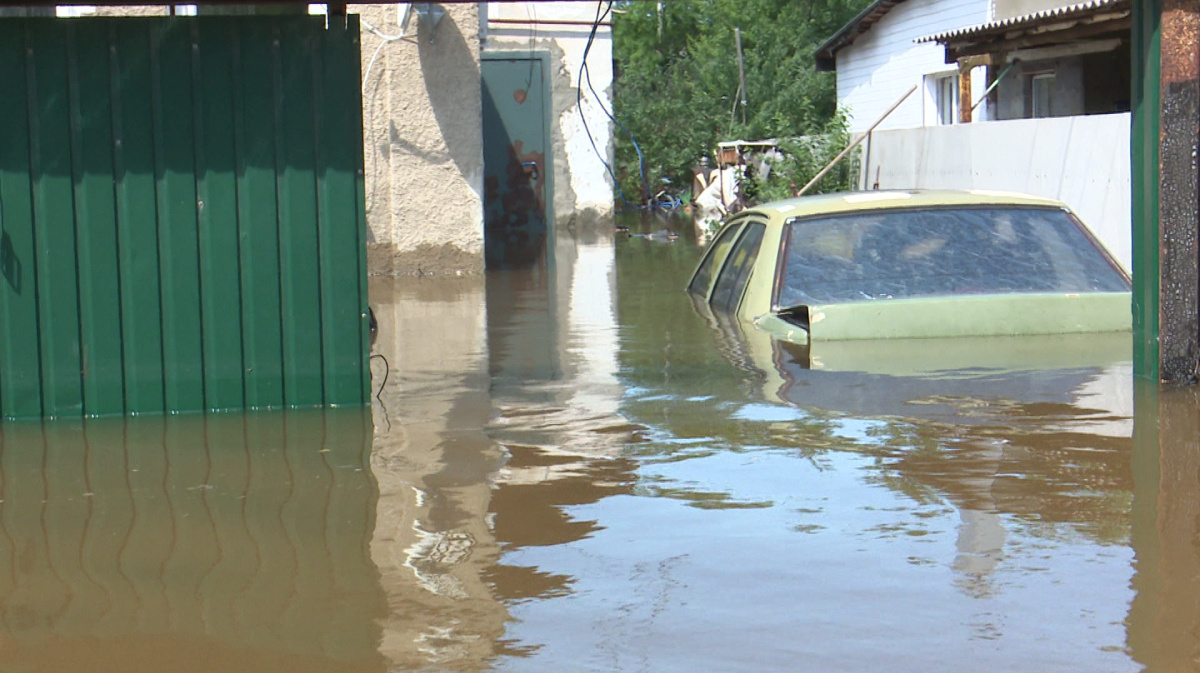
(181, 216)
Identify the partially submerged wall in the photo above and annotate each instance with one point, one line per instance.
(1081, 161)
(422, 126)
(423, 151)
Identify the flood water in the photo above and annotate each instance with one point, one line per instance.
(574, 469)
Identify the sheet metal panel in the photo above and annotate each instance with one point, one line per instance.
(174, 171)
(1146, 45)
(254, 127)
(92, 166)
(340, 195)
(20, 367)
(296, 185)
(54, 221)
(137, 220)
(214, 101)
(181, 216)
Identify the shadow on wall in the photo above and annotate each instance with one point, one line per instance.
(451, 74)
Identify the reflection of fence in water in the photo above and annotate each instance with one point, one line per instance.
(245, 531)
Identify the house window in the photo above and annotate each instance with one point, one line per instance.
(1041, 94)
(945, 96)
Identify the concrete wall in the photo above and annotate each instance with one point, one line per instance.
(1082, 161)
(1067, 97)
(882, 64)
(583, 192)
(423, 149)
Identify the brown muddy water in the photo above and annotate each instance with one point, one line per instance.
(572, 469)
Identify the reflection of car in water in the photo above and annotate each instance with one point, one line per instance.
(1015, 400)
(912, 264)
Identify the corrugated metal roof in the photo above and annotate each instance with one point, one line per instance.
(848, 33)
(1070, 11)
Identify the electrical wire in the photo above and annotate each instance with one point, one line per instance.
(384, 38)
(670, 202)
(387, 368)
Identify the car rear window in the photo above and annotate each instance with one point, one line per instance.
(736, 272)
(716, 256)
(936, 252)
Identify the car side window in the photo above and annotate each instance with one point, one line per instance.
(702, 279)
(736, 273)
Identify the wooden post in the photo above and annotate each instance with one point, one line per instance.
(1179, 258)
(964, 93)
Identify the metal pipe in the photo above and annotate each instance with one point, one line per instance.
(992, 86)
(548, 22)
(842, 155)
(737, 34)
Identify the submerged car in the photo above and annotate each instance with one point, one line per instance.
(912, 264)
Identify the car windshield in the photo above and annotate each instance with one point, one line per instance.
(937, 252)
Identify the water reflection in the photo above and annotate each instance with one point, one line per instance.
(572, 468)
(221, 543)
(433, 539)
(1164, 618)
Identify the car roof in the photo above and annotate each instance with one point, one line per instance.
(843, 202)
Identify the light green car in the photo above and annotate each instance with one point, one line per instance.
(912, 264)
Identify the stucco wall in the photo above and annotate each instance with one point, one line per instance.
(1082, 161)
(423, 149)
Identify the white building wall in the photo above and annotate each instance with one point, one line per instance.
(1081, 161)
(874, 71)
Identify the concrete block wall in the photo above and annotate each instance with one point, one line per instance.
(1081, 161)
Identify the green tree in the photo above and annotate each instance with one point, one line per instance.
(677, 80)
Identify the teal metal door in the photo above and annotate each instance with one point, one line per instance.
(517, 193)
(181, 216)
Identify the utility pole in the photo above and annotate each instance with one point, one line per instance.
(737, 35)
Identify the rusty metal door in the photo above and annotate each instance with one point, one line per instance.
(517, 186)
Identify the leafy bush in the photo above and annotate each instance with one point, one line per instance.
(676, 81)
(804, 157)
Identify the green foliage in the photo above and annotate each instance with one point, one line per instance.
(677, 79)
(804, 157)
